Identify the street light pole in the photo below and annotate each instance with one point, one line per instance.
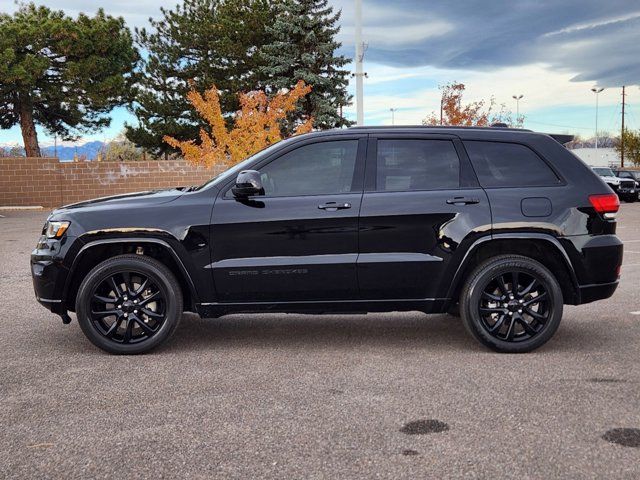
(393, 117)
(517, 98)
(359, 57)
(597, 92)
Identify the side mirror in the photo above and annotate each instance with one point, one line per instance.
(248, 184)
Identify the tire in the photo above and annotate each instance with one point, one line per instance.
(511, 324)
(142, 301)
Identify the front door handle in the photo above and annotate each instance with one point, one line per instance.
(463, 201)
(333, 206)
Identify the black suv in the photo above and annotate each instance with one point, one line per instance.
(503, 226)
(628, 176)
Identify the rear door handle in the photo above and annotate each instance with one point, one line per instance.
(333, 206)
(463, 201)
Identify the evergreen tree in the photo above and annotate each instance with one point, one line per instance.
(62, 73)
(304, 48)
(198, 44)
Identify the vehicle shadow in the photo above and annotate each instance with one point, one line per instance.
(411, 330)
(397, 330)
(401, 331)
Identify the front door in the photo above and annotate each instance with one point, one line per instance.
(421, 208)
(298, 241)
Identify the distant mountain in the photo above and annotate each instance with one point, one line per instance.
(87, 150)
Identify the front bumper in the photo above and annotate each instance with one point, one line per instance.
(627, 191)
(49, 273)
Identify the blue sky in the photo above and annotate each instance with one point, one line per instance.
(552, 52)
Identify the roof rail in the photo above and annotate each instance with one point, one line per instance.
(439, 127)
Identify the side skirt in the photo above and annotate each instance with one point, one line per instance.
(426, 305)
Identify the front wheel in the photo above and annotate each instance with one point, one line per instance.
(511, 304)
(129, 304)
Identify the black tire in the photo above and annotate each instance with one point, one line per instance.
(139, 323)
(507, 320)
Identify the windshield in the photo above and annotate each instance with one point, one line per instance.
(630, 174)
(233, 170)
(604, 172)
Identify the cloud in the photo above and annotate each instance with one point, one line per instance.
(592, 40)
(136, 14)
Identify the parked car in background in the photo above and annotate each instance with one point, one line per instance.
(630, 175)
(625, 188)
(504, 226)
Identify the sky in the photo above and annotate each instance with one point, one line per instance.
(551, 52)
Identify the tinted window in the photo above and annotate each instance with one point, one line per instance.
(417, 165)
(605, 172)
(509, 165)
(315, 169)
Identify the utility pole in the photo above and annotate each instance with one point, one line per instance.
(359, 57)
(597, 91)
(622, 132)
(393, 116)
(441, 109)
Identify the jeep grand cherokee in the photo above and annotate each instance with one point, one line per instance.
(504, 226)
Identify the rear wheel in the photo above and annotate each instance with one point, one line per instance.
(511, 304)
(129, 304)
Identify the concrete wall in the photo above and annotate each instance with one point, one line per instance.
(49, 183)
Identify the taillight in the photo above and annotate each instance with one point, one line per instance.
(607, 204)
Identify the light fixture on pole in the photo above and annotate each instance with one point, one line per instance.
(517, 98)
(597, 91)
(393, 116)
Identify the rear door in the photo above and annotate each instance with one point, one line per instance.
(421, 207)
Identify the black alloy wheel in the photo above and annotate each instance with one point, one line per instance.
(514, 306)
(129, 304)
(511, 303)
(128, 307)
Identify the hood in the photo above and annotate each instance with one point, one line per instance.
(610, 179)
(151, 197)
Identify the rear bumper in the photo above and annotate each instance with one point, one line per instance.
(596, 260)
(597, 291)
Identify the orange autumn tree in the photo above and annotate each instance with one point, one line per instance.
(256, 125)
(480, 114)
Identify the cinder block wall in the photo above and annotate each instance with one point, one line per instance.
(49, 183)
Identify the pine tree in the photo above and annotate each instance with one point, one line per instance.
(304, 48)
(198, 44)
(61, 73)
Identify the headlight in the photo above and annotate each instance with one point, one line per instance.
(56, 229)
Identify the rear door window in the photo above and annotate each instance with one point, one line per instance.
(500, 164)
(406, 164)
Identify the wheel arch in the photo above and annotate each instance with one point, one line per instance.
(543, 248)
(96, 251)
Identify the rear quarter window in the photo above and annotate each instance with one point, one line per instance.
(501, 164)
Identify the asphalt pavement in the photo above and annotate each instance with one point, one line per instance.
(401, 395)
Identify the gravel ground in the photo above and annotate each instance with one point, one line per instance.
(294, 396)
